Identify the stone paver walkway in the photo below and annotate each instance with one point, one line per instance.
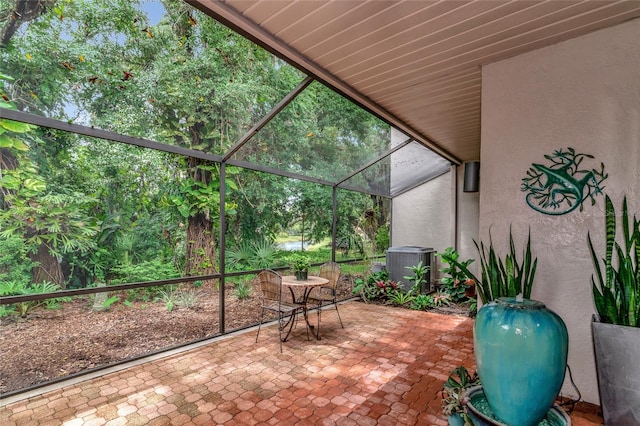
(386, 367)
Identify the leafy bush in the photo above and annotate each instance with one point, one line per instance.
(399, 297)
(422, 302)
(238, 256)
(263, 255)
(441, 298)
(455, 281)
(23, 308)
(382, 238)
(251, 255)
(152, 270)
(375, 286)
(242, 289)
(419, 272)
(349, 243)
(178, 297)
(15, 264)
(453, 391)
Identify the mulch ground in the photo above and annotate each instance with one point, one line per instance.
(52, 344)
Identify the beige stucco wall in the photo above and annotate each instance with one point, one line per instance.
(585, 94)
(422, 217)
(425, 216)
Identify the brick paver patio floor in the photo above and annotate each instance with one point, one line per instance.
(386, 367)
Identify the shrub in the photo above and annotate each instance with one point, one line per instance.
(422, 302)
(242, 289)
(399, 297)
(376, 286)
(455, 280)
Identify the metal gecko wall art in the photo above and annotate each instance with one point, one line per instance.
(562, 186)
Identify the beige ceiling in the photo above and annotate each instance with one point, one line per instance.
(416, 63)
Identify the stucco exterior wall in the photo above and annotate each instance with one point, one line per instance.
(422, 216)
(425, 216)
(583, 93)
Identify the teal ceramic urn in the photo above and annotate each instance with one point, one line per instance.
(521, 356)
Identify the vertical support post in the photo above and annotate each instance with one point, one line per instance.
(334, 224)
(454, 206)
(222, 243)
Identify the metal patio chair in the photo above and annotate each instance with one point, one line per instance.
(271, 288)
(327, 294)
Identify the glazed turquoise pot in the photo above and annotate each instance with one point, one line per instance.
(521, 356)
(455, 419)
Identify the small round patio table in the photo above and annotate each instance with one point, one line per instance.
(307, 286)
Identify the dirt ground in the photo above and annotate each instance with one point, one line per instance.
(52, 344)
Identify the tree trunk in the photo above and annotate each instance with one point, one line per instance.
(48, 269)
(201, 249)
(22, 11)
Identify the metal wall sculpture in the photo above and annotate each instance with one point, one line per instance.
(562, 185)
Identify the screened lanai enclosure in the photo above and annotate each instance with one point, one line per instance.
(150, 160)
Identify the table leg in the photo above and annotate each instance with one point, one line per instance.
(316, 334)
(305, 312)
(289, 323)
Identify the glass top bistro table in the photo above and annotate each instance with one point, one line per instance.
(306, 286)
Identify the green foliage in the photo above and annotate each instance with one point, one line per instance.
(422, 302)
(111, 211)
(617, 291)
(251, 255)
(168, 297)
(503, 278)
(400, 297)
(441, 298)
(454, 282)
(188, 297)
(178, 297)
(242, 289)
(15, 264)
(382, 238)
(23, 308)
(453, 390)
(300, 262)
(110, 301)
(375, 286)
(7, 310)
(351, 243)
(263, 255)
(152, 270)
(473, 307)
(419, 272)
(240, 255)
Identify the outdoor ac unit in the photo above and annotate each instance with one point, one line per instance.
(399, 258)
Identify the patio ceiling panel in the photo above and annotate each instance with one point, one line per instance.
(400, 58)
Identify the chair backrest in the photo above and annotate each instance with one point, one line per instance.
(330, 271)
(270, 285)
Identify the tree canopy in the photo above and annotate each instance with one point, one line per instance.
(87, 209)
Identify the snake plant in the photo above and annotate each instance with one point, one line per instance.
(503, 278)
(616, 293)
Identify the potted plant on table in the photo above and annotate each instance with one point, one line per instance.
(300, 265)
(616, 327)
(453, 394)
